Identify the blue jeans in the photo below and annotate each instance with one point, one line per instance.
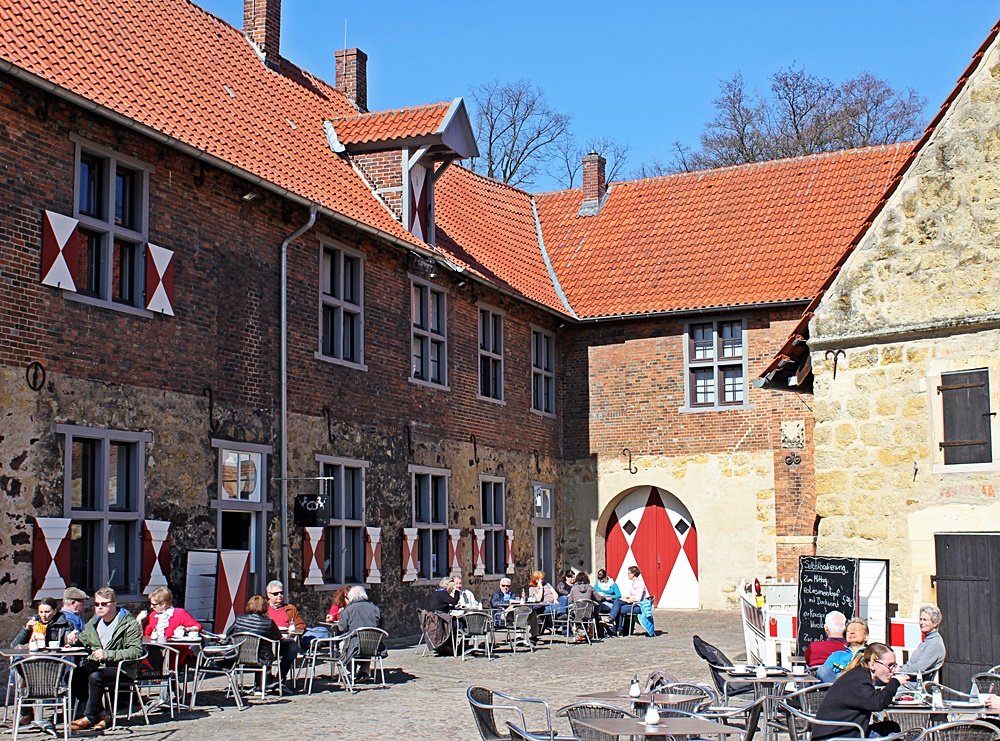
(620, 609)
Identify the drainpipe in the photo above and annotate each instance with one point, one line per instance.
(313, 209)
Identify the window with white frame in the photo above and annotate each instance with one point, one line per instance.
(343, 481)
(716, 364)
(543, 377)
(341, 305)
(242, 504)
(104, 497)
(544, 523)
(429, 342)
(112, 206)
(430, 518)
(492, 500)
(490, 354)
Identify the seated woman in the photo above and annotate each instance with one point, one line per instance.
(338, 604)
(628, 604)
(49, 625)
(256, 621)
(606, 591)
(541, 592)
(581, 589)
(866, 686)
(445, 597)
(836, 663)
(163, 623)
(929, 655)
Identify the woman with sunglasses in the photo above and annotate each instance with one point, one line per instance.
(866, 686)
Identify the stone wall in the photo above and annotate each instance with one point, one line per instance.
(920, 296)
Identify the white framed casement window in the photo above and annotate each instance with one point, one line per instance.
(963, 404)
(343, 481)
(241, 505)
(341, 306)
(429, 333)
(543, 372)
(112, 205)
(543, 521)
(490, 354)
(716, 364)
(104, 484)
(492, 510)
(430, 518)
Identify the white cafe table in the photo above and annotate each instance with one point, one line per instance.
(666, 727)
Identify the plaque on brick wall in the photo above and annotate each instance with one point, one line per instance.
(793, 434)
(312, 510)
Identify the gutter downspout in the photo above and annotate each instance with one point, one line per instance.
(313, 210)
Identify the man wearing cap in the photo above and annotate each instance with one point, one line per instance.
(72, 607)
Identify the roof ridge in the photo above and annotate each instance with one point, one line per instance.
(406, 109)
(494, 181)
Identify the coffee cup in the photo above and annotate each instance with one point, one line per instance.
(179, 632)
(53, 644)
(741, 668)
(761, 672)
(798, 670)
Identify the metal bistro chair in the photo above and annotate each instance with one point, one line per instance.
(808, 701)
(125, 683)
(249, 661)
(42, 682)
(700, 696)
(517, 628)
(582, 615)
(812, 721)
(475, 633)
(588, 710)
(987, 683)
(424, 641)
(320, 651)
(485, 703)
(719, 663)
(519, 734)
(963, 730)
(166, 678)
(362, 646)
(217, 661)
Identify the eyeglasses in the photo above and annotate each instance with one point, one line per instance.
(274, 594)
(102, 604)
(890, 667)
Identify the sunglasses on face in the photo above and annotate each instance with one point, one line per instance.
(102, 604)
(274, 594)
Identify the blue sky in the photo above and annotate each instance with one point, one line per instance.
(644, 73)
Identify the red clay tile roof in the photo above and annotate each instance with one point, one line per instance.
(744, 235)
(383, 126)
(490, 227)
(175, 68)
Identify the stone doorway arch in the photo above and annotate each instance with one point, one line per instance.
(649, 527)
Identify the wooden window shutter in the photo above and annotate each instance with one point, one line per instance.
(59, 251)
(965, 404)
(373, 555)
(312, 556)
(50, 557)
(155, 555)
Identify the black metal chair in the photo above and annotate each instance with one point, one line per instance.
(257, 655)
(125, 683)
(165, 679)
(701, 696)
(362, 646)
(718, 663)
(963, 730)
(987, 683)
(42, 682)
(808, 700)
(217, 661)
(588, 710)
(486, 703)
(475, 633)
(516, 627)
(811, 721)
(519, 734)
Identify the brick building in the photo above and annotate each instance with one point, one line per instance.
(224, 284)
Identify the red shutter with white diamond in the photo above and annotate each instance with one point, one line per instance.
(409, 554)
(373, 555)
(50, 557)
(159, 279)
(454, 555)
(60, 248)
(231, 587)
(420, 185)
(155, 555)
(478, 552)
(510, 551)
(312, 556)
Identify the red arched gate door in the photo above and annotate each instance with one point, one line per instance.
(653, 530)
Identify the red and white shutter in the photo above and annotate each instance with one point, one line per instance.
(59, 250)
(904, 634)
(231, 587)
(510, 551)
(783, 627)
(420, 185)
(312, 556)
(159, 279)
(155, 555)
(478, 552)
(50, 557)
(373, 555)
(454, 555)
(409, 554)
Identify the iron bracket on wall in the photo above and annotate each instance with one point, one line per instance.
(475, 451)
(793, 459)
(329, 422)
(34, 374)
(538, 463)
(835, 354)
(213, 423)
(631, 469)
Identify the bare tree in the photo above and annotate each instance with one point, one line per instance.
(804, 114)
(569, 155)
(516, 130)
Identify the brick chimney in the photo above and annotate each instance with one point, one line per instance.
(352, 76)
(594, 186)
(262, 25)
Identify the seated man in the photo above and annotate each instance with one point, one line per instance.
(359, 613)
(466, 599)
(72, 605)
(113, 637)
(834, 626)
(288, 620)
(857, 639)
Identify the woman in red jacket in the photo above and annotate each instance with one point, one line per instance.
(166, 621)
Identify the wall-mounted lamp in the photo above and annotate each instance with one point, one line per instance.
(249, 196)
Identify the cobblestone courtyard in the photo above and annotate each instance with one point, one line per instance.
(426, 699)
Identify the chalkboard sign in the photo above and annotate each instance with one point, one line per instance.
(825, 584)
(312, 510)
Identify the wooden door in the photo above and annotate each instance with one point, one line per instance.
(651, 528)
(968, 592)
